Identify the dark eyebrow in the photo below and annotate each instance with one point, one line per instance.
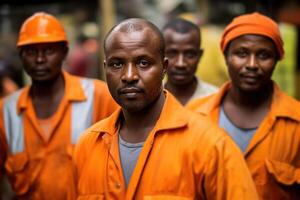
(114, 57)
(144, 56)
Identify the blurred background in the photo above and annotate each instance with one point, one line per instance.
(86, 23)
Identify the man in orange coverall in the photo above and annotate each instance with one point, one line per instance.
(41, 123)
(152, 147)
(260, 118)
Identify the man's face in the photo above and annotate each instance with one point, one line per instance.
(43, 62)
(183, 53)
(251, 60)
(134, 68)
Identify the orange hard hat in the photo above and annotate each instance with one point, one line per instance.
(41, 28)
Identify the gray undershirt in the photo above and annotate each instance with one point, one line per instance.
(129, 153)
(241, 136)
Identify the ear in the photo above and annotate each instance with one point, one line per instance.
(20, 51)
(200, 53)
(165, 65)
(104, 64)
(65, 50)
(226, 58)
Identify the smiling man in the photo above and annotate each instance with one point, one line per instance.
(183, 42)
(40, 124)
(259, 117)
(152, 147)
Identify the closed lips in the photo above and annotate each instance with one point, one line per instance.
(130, 90)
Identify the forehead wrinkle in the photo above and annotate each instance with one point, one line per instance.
(143, 38)
(252, 40)
(173, 37)
(138, 25)
(129, 27)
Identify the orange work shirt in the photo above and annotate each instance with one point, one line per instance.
(185, 156)
(273, 154)
(38, 168)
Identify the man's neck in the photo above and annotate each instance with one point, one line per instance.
(47, 96)
(247, 110)
(251, 99)
(136, 126)
(183, 93)
(48, 88)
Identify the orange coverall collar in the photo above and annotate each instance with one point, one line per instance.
(73, 92)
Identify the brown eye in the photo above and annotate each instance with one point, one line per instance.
(115, 64)
(171, 53)
(264, 55)
(143, 63)
(241, 53)
(30, 52)
(190, 54)
(49, 51)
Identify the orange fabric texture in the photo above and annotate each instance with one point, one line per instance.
(44, 170)
(184, 157)
(273, 154)
(254, 23)
(46, 126)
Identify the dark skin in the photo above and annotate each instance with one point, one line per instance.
(43, 63)
(251, 60)
(183, 53)
(134, 72)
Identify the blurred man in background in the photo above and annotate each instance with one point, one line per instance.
(40, 124)
(183, 42)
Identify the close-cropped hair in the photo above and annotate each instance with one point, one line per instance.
(181, 26)
(137, 25)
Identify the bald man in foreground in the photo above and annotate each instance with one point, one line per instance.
(152, 147)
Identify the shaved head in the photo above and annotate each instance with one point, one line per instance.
(137, 25)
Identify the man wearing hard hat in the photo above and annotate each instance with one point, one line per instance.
(40, 124)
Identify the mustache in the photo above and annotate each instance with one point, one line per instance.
(130, 89)
(178, 71)
(251, 75)
(40, 67)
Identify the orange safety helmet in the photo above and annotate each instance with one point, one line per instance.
(41, 28)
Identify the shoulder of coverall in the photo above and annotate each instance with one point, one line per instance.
(284, 105)
(19, 98)
(74, 90)
(100, 86)
(180, 118)
(206, 104)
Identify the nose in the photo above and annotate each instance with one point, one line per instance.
(252, 63)
(40, 58)
(181, 63)
(130, 74)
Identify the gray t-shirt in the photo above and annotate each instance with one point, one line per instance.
(241, 136)
(129, 153)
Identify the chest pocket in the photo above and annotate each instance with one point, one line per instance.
(15, 167)
(20, 173)
(282, 181)
(284, 173)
